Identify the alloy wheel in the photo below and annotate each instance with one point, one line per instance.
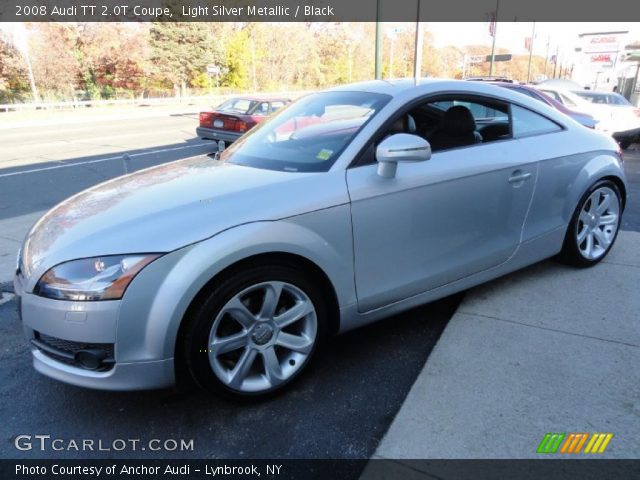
(262, 336)
(598, 223)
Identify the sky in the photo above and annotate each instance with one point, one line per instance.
(511, 35)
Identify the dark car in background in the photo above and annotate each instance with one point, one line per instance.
(236, 116)
(580, 117)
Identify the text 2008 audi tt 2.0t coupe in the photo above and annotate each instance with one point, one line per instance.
(348, 206)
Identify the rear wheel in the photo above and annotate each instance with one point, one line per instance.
(594, 226)
(255, 332)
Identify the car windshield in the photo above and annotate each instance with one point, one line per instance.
(309, 134)
(603, 98)
(237, 105)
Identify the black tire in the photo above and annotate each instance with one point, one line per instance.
(201, 320)
(570, 253)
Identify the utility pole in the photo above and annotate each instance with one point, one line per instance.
(546, 57)
(417, 63)
(533, 36)
(378, 43)
(495, 31)
(555, 64)
(21, 41)
(392, 40)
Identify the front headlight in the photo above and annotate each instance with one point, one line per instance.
(90, 279)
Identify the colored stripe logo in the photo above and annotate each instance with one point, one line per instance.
(574, 443)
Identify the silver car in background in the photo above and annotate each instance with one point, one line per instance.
(347, 206)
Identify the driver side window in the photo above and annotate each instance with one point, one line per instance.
(449, 122)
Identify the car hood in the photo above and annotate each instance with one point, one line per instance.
(167, 207)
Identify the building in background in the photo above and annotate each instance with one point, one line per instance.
(599, 59)
(629, 76)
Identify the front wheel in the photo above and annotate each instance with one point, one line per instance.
(255, 332)
(594, 226)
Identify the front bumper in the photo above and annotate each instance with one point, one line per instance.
(214, 134)
(632, 135)
(123, 376)
(56, 330)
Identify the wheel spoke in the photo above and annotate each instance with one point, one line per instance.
(589, 245)
(240, 312)
(610, 219)
(241, 370)
(595, 200)
(301, 309)
(230, 343)
(583, 233)
(584, 217)
(272, 366)
(606, 202)
(297, 343)
(603, 241)
(272, 293)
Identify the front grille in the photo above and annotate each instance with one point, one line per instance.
(65, 350)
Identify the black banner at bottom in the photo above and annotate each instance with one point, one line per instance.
(376, 469)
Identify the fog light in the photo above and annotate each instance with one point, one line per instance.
(90, 359)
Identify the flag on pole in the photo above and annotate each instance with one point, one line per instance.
(492, 24)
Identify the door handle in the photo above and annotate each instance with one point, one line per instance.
(518, 177)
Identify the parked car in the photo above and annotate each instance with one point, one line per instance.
(580, 117)
(236, 116)
(622, 122)
(346, 207)
(625, 117)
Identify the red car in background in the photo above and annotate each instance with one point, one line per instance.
(233, 118)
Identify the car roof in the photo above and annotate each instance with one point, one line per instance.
(393, 87)
(260, 98)
(404, 90)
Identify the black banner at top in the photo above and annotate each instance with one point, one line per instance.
(315, 10)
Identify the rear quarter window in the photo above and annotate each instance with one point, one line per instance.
(527, 123)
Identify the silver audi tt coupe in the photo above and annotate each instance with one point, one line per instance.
(345, 207)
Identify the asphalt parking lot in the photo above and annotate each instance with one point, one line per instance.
(340, 409)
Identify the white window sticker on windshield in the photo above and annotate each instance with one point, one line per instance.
(324, 154)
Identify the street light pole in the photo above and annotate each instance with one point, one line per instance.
(417, 59)
(495, 33)
(533, 36)
(378, 43)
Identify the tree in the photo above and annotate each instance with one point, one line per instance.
(178, 51)
(14, 85)
(112, 58)
(55, 66)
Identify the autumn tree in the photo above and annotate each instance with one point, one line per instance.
(178, 52)
(14, 84)
(112, 58)
(55, 65)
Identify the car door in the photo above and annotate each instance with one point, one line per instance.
(437, 221)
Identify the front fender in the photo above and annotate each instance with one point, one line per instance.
(157, 299)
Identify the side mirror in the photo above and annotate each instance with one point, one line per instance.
(401, 147)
